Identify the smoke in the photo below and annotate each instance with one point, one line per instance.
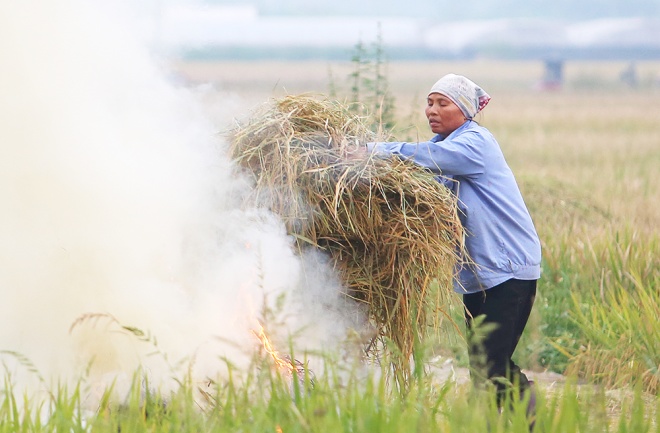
(121, 230)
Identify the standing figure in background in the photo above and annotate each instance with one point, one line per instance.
(629, 75)
(498, 279)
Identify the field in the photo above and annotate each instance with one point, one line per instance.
(587, 158)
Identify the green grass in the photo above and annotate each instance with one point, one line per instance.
(619, 319)
(346, 401)
(600, 297)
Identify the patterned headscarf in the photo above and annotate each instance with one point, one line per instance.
(469, 97)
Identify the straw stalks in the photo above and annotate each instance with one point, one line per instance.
(391, 229)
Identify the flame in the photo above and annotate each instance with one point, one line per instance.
(293, 368)
(281, 362)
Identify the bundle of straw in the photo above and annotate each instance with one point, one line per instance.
(389, 226)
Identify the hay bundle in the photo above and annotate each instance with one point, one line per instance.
(389, 226)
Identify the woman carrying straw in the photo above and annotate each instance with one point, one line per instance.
(498, 279)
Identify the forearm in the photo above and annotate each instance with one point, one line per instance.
(451, 158)
(419, 153)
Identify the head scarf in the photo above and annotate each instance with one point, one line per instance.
(469, 97)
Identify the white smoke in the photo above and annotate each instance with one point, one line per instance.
(118, 200)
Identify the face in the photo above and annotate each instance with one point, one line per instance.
(444, 116)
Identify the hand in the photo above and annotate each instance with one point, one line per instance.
(356, 153)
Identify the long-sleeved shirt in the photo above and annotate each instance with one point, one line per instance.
(500, 236)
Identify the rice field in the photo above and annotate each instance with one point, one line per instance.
(587, 158)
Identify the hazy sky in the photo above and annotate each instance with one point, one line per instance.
(450, 9)
(514, 29)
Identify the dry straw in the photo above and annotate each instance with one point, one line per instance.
(391, 229)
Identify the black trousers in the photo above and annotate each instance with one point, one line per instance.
(504, 310)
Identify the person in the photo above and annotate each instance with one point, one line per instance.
(498, 277)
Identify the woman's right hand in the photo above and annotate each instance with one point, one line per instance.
(356, 153)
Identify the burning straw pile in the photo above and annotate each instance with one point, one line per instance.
(389, 226)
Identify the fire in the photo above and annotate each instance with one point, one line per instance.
(293, 368)
(281, 362)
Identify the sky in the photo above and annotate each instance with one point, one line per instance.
(451, 10)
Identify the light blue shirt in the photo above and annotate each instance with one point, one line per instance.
(500, 235)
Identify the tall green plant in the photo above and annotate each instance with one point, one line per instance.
(369, 94)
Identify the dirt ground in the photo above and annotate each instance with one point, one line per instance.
(445, 369)
(551, 385)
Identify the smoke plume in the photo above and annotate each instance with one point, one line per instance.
(122, 231)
